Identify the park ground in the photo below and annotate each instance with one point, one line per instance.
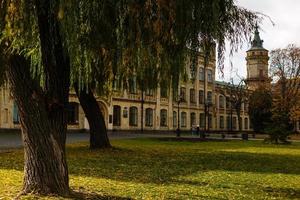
(144, 168)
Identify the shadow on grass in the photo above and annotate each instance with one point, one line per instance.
(152, 165)
(154, 162)
(92, 196)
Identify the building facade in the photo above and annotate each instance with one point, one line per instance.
(160, 109)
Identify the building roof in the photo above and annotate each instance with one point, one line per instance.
(257, 42)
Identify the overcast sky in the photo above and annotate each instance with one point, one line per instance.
(286, 16)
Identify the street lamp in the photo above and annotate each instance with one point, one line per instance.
(179, 100)
(208, 104)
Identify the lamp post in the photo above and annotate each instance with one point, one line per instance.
(179, 100)
(230, 100)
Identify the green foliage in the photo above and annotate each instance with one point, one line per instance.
(260, 104)
(119, 38)
(154, 169)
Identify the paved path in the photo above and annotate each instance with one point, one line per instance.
(14, 140)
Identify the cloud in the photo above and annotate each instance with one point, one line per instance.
(285, 15)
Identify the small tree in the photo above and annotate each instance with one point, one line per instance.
(239, 96)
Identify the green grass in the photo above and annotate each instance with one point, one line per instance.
(154, 169)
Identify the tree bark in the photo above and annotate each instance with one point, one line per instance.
(98, 132)
(45, 169)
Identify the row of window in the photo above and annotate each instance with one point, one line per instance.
(209, 75)
(133, 118)
(193, 96)
(72, 109)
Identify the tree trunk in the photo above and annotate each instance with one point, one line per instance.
(45, 170)
(98, 132)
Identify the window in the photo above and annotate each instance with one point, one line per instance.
(163, 117)
(73, 114)
(202, 120)
(234, 123)
(227, 103)
(5, 115)
(149, 92)
(209, 97)
(133, 116)
(221, 101)
(117, 82)
(149, 117)
(228, 123)
(117, 115)
(193, 119)
(183, 119)
(201, 74)
(209, 76)
(174, 119)
(182, 93)
(192, 96)
(261, 73)
(164, 92)
(246, 123)
(210, 120)
(221, 122)
(132, 85)
(16, 117)
(201, 97)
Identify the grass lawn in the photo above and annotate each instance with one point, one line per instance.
(155, 169)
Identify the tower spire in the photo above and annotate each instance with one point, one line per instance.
(257, 42)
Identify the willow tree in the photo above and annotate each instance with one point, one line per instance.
(51, 45)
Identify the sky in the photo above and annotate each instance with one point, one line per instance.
(286, 16)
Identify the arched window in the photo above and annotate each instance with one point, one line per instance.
(174, 119)
(133, 116)
(16, 117)
(183, 119)
(201, 74)
(221, 101)
(163, 117)
(117, 115)
(193, 119)
(149, 117)
(73, 114)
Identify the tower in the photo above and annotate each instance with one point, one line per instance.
(257, 63)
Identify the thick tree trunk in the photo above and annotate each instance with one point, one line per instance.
(45, 168)
(98, 132)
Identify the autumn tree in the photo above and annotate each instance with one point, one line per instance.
(285, 71)
(260, 104)
(50, 45)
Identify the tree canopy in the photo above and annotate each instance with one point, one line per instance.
(109, 38)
